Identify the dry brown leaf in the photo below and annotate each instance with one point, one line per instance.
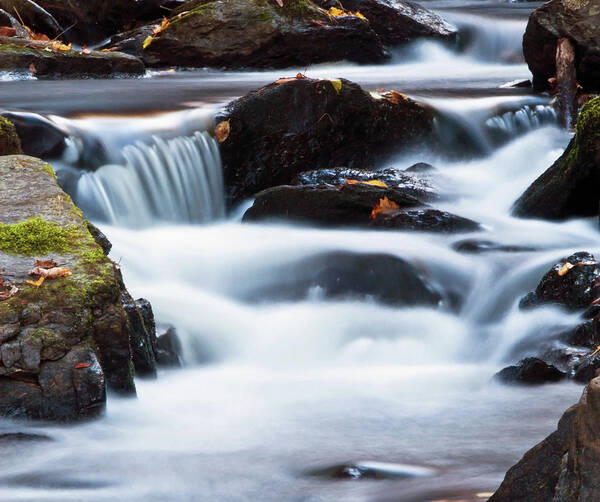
(50, 273)
(284, 80)
(161, 27)
(7, 31)
(377, 183)
(385, 206)
(7, 290)
(32, 68)
(222, 131)
(45, 263)
(110, 49)
(568, 266)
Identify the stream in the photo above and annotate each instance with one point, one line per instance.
(272, 391)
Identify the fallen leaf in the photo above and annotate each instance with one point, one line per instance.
(279, 2)
(51, 273)
(385, 206)
(161, 27)
(568, 266)
(45, 263)
(32, 68)
(7, 290)
(81, 366)
(284, 80)
(147, 42)
(85, 50)
(300, 75)
(377, 183)
(316, 22)
(59, 46)
(7, 31)
(336, 84)
(222, 131)
(37, 283)
(335, 12)
(392, 96)
(110, 49)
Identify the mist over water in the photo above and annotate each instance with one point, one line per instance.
(273, 388)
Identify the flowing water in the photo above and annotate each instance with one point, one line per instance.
(274, 390)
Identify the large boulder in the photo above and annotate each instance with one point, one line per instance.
(564, 467)
(530, 371)
(252, 33)
(302, 124)
(55, 59)
(398, 21)
(577, 20)
(572, 283)
(569, 187)
(64, 341)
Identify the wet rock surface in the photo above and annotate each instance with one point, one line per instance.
(64, 342)
(168, 349)
(281, 130)
(530, 371)
(577, 20)
(39, 137)
(425, 220)
(568, 188)
(485, 246)
(9, 140)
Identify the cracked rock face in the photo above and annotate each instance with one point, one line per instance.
(64, 342)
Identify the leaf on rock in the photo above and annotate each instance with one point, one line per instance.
(222, 131)
(85, 50)
(336, 84)
(45, 263)
(47, 273)
(284, 80)
(7, 290)
(57, 46)
(80, 366)
(392, 96)
(7, 31)
(161, 27)
(110, 49)
(335, 12)
(385, 206)
(32, 68)
(377, 183)
(568, 266)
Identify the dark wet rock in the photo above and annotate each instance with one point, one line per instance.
(142, 334)
(63, 343)
(22, 437)
(9, 140)
(587, 368)
(535, 476)
(575, 289)
(371, 470)
(21, 55)
(418, 187)
(324, 204)
(254, 33)
(284, 129)
(425, 220)
(586, 334)
(39, 136)
(33, 16)
(100, 238)
(168, 349)
(485, 246)
(577, 20)
(343, 275)
(421, 167)
(397, 22)
(530, 371)
(569, 187)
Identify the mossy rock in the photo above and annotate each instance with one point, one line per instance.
(570, 187)
(61, 341)
(9, 140)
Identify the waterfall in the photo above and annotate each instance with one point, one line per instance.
(517, 122)
(176, 180)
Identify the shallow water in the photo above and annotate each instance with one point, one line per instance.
(272, 390)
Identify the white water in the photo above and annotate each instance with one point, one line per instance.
(272, 389)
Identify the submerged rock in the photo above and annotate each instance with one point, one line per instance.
(530, 371)
(577, 20)
(570, 283)
(64, 342)
(33, 56)
(253, 33)
(168, 349)
(372, 470)
(142, 334)
(400, 21)
(345, 275)
(303, 124)
(485, 246)
(569, 188)
(425, 220)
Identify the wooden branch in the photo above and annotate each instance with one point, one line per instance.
(566, 82)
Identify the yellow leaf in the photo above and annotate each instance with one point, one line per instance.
(147, 42)
(565, 268)
(37, 283)
(377, 183)
(222, 131)
(336, 84)
(162, 26)
(59, 46)
(385, 206)
(335, 12)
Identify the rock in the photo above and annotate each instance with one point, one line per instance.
(534, 477)
(253, 33)
(397, 21)
(425, 220)
(485, 246)
(168, 349)
(142, 336)
(39, 136)
(586, 369)
(530, 371)
(577, 20)
(22, 437)
(100, 238)
(421, 167)
(575, 289)
(345, 275)
(64, 342)
(21, 55)
(568, 188)
(324, 204)
(281, 130)
(421, 188)
(9, 140)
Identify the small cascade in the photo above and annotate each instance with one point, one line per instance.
(517, 122)
(175, 180)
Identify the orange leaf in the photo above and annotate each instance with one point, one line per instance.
(377, 183)
(82, 366)
(222, 131)
(161, 27)
(385, 206)
(45, 263)
(284, 80)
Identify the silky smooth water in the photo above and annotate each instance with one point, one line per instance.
(272, 390)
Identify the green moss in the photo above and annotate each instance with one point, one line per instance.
(588, 128)
(49, 170)
(34, 237)
(9, 141)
